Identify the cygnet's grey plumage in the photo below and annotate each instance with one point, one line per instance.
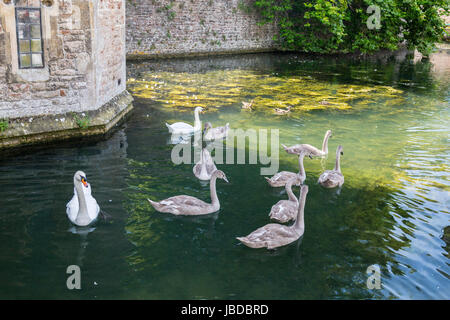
(191, 206)
(205, 167)
(285, 210)
(296, 149)
(218, 133)
(333, 178)
(275, 235)
(281, 178)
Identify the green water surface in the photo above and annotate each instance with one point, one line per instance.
(391, 117)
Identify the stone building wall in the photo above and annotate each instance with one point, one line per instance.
(84, 58)
(110, 45)
(193, 27)
(81, 88)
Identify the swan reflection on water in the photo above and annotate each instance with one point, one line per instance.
(83, 232)
(179, 139)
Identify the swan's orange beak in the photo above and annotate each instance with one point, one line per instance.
(83, 180)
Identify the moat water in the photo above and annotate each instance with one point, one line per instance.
(391, 117)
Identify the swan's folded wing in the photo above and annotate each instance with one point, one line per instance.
(298, 148)
(72, 208)
(180, 128)
(187, 201)
(183, 205)
(324, 176)
(283, 211)
(331, 176)
(284, 176)
(92, 206)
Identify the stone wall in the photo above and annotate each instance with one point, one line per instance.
(84, 58)
(110, 45)
(193, 27)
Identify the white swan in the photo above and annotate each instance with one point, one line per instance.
(191, 206)
(333, 178)
(296, 149)
(83, 209)
(185, 128)
(205, 167)
(275, 235)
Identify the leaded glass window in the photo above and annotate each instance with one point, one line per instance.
(29, 37)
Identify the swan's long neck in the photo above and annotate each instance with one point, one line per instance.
(82, 216)
(212, 188)
(203, 170)
(337, 166)
(301, 172)
(325, 143)
(291, 195)
(300, 222)
(197, 123)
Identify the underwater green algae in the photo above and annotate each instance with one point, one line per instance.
(223, 88)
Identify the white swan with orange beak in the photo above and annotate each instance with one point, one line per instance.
(83, 209)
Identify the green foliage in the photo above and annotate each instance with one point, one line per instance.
(171, 15)
(4, 124)
(82, 122)
(340, 26)
(169, 6)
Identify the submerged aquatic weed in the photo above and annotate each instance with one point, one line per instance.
(224, 88)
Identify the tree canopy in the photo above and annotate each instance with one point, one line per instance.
(344, 26)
